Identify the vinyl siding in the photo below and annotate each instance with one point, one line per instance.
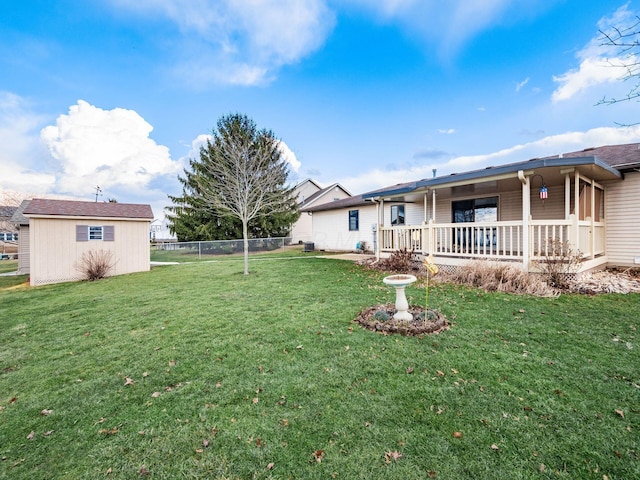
(622, 213)
(331, 229)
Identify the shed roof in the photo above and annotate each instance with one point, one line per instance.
(71, 208)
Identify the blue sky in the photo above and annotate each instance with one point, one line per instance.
(367, 93)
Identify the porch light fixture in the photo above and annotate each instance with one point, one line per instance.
(544, 193)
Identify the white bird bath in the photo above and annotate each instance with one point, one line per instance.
(399, 282)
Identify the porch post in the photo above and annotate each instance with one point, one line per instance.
(576, 211)
(592, 233)
(567, 196)
(526, 212)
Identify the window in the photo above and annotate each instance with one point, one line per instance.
(84, 233)
(95, 233)
(397, 214)
(353, 220)
(475, 210)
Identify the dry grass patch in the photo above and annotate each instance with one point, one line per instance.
(502, 277)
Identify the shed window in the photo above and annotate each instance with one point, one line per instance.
(354, 220)
(95, 232)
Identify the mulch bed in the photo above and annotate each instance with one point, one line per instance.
(435, 324)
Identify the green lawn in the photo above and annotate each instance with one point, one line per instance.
(196, 371)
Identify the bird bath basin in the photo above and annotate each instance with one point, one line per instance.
(399, 282)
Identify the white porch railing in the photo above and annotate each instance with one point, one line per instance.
(495, 240)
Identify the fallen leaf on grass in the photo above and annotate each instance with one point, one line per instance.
(270, 466)
(144, 471)
(205, 443)
(440, 373)
(31, 435)
(108, 472)
(457, 434)
(495, 447)
(13, 400)
(410, 370)
(318, 455)
(106, 431)
(128, 381)
(392, 456)
(255, 400)
(46, 434)
(46, 412)
(620, 412)
(431, 474)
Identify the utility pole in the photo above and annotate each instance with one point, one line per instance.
(98, 192)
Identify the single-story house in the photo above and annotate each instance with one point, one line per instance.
(56, 234)
(308, 194)
(589, 198)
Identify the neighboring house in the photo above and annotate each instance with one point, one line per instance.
(159, 231)
(21, 223)
(61, 231)
(589, 198)
(309, 193)
(8, 232)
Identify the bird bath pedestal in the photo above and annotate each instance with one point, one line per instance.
(399, 282)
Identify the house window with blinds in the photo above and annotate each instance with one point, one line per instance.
(85, 233)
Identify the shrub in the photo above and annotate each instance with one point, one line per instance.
(560, 263)
(96, 264)
(401, 261)
(381, 316)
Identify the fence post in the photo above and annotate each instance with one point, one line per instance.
(199, 250)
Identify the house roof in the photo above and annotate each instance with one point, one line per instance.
(70, 208)
(18, 216)
(619, 156)
(321, 193)
(355, 201)
(7, 211)
(609, 160)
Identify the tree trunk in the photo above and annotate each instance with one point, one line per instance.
(245, 237)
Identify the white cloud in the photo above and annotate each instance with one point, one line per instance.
(447, 131)
(599, 64)
(551, 145)
(246, 41)
(289, 156)
(20, 152)
(452, 23)
(520, 85)
(110, 148)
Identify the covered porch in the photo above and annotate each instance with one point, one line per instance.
(509, 213)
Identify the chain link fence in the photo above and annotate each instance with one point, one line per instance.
(188, 251)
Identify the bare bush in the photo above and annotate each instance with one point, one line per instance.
(501, 277)
(560, 263)
(400, 261)
(96, 264)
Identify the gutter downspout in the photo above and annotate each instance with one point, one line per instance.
(376, 201)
